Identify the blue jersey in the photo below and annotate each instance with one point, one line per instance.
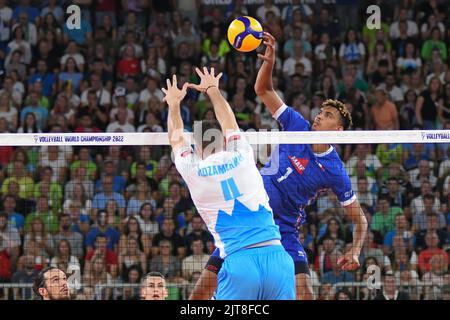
(295, 175)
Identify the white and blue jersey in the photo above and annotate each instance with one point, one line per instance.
(300, 174)
(228, 192)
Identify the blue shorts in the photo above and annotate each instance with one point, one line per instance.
(265, 273)
(292, 245)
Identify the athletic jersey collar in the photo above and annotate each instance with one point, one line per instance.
(323, 154)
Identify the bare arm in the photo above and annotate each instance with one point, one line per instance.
(263, 85)
(350, 261)
(209, 83)
(174, 122)
(419, 106)
(205, 286)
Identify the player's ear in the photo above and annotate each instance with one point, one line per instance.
(43, 292)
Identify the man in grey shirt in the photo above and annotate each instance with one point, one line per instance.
(75, 239)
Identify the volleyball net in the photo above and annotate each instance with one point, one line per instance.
(111, 207)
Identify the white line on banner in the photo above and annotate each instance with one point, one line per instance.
(262, 137)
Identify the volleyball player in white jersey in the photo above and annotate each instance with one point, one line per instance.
(229, 194)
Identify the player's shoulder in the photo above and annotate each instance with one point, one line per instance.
(335, 161)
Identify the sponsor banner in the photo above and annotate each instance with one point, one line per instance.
(438, 136)
(79, 139)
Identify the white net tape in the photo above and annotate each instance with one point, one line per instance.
(261, 137)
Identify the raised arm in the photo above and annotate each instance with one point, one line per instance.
(263, 85)
(209, 84)
(350, 261)
(174, 122)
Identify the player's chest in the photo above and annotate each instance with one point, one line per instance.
(305, 169)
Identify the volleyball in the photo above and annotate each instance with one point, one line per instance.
(245, 33)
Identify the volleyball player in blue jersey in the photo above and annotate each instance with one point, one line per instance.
(302, 172)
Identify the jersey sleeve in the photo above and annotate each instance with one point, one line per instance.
(185, 160)
(290, 119)
(342, 187)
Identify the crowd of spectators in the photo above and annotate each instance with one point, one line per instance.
(115, 213)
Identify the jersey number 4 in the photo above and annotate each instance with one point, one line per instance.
(229, 189)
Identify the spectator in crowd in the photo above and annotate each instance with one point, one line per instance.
(166, 263)
(432, 241)
(323, 263)
(420, 218)
(196, 261)
(74, 239)
(119, 182)
(384, 220)
(401, 229)
(63, 258)
(102, 228)
(44, 214)
(15, 219)
(25, 276)
(198, 231)
(418, 203)
(336, 275)
(132, 230)
(364, 194)
(131, 256)
(100, 250)
(79, 201)
(431, 226)
(427, 104)
(390, 290)
(147, 220)
(9, 244)
(101, 198)
(167, 232)
(433, 43)
(434, 279)
(41, 240)
(384, 113)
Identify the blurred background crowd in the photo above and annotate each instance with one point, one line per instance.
(115, 213)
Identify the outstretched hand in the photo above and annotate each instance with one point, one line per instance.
(207, 80)
(172, 93)
(349, 261)
(269, 54)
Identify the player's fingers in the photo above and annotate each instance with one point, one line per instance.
(341, 261)
(268, 44)
(205, 70)
(269, 36)
(164, 90)
(219, 75)
(168, 83)
(263, 57)
(185, 86)
(193, 86)
(350, 266)
(197, 70)
(174, 80)
(211, 71)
